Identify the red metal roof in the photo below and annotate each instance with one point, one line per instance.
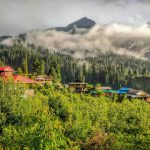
(6, 68)
(22, 79)
(15, 78)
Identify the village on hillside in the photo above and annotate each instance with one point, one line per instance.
(7, 73)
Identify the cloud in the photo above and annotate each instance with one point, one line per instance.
(7, 41)
(117, 38)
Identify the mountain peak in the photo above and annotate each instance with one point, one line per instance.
(82, 23)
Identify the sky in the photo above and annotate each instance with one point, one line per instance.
(19, 16)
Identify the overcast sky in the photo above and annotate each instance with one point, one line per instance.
(18, 16)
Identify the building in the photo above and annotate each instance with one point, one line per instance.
(136, 92)
(103, 88)
(23, 79)
(142, 97)
(7, 73)
(123, 90)
(78, 86)
(43, 79)
(109, 93)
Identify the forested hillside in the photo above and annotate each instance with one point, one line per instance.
(107, 69)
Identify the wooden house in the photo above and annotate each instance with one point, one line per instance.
(43, 79)
(142, 97)
(103, 88)
(136, 92)
(78, 86)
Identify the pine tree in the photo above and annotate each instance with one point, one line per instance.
(19, 71)
(36, 66)
(144, 71)
(42, 67)
(58, 72)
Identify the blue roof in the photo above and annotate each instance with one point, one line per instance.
(125, 89)
(121, 92)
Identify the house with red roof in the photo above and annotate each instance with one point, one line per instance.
(8, 73)
(23, 79)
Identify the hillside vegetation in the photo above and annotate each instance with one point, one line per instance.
(58, 119)
(108, 69)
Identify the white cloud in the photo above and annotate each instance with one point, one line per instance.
(115, 38)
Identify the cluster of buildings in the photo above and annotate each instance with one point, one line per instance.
(78, 86)
(134, 94)
(130, 93)
(7, 73)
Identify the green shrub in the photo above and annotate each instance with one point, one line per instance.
(54, 119)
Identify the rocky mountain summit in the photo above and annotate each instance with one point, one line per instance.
(81, 23)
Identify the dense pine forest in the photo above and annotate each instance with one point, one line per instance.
(107, 69)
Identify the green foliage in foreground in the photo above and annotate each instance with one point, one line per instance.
(53, 120)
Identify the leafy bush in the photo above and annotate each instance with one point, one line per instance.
(54, 119)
